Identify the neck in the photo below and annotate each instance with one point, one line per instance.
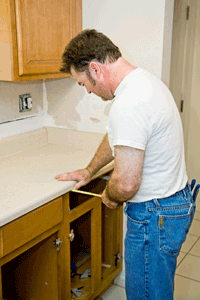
(115, 72)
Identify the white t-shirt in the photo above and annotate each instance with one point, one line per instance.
(144, 116)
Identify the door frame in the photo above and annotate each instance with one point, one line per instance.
(182, 60)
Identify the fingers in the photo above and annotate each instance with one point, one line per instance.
(69, 176)
(111, 205)
(81, 176)
(80, 184)
(64, 177)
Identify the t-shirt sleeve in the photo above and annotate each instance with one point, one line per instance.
(129, 125)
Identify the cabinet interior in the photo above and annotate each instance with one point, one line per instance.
(32, 273)
(96, 186)
(81, 246)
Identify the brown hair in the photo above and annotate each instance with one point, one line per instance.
(87, 46)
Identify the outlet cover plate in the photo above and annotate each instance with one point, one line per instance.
(25, 102)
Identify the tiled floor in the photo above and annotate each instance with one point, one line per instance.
(187, 280)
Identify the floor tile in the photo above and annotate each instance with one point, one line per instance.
(114, 293)
(186, 289)
(195, 228)
(190, 241)
(180, 257)
(189, 267)
(197, 215)
(196, 249)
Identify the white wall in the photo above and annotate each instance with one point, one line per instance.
(141, 29)
(11, 120)
(137, 27)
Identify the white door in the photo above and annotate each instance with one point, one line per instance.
(184, 79)
(193, 140)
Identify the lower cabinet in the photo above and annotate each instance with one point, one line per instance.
(33, 274)
(80, 255)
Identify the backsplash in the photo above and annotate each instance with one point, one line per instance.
(9, 100)
(56, 103)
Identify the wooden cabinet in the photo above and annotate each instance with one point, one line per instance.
(29, 260)
(33, 35)
(73, 242)
(97, 244)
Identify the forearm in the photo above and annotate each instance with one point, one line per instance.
(126, 177)
(101, 158)
(115, 194)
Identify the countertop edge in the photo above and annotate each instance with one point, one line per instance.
(65, 187)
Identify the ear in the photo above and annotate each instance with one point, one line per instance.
(95, 69)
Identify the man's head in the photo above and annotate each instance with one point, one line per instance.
(87, 58)
(86, 47)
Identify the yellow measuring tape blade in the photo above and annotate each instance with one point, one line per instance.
(86, 193)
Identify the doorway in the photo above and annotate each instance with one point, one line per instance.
(185, 79)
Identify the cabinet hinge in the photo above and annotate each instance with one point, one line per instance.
(182, 105)
(71, 235)
(58, 244)
(118, 257)
(187, 12)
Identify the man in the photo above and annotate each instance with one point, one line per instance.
(146, 140)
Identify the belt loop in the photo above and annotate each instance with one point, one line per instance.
(157, 204)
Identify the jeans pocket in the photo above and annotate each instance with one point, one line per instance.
(172, 232)
(135, 235)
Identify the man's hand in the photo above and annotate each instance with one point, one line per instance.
(82, 177)
(108, 203)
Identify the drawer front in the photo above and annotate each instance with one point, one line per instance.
(31, 225)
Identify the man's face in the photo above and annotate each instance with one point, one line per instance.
(93, 84)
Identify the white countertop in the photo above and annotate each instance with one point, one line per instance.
(27, 170)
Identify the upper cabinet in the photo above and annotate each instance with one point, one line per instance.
(33, 36)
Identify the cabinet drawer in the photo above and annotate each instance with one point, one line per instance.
(29, 226)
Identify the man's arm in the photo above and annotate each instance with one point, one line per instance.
(101, 158)
(126, 177)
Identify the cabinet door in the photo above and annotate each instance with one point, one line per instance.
(44, 28)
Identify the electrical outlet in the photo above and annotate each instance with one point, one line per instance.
(25, 102)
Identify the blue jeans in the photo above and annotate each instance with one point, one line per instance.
(156, 230)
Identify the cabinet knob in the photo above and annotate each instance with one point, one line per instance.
(71, 235)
